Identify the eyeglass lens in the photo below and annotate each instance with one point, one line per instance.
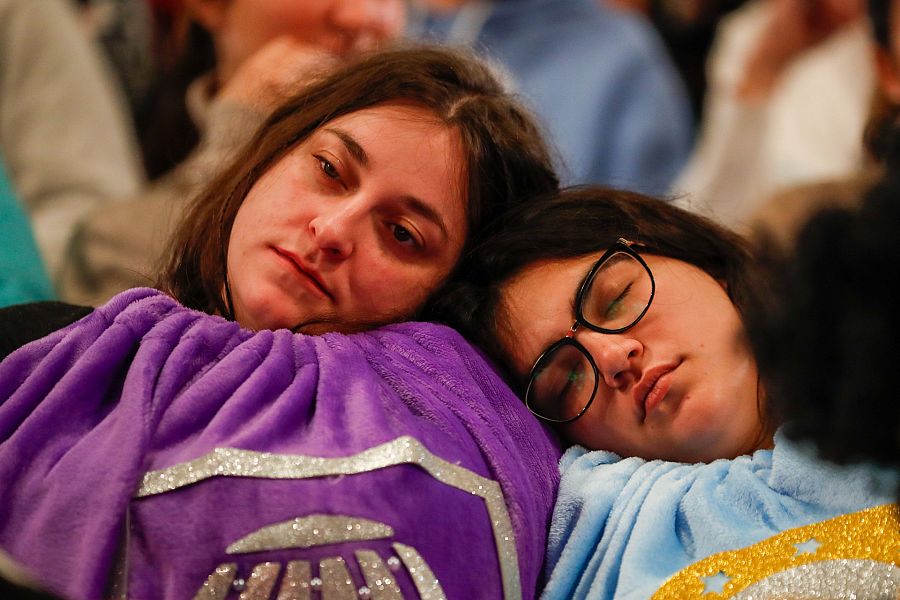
(562, 384)
(564, 381)
(618, 293)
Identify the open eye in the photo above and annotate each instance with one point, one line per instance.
(404, 236)
(328, 168)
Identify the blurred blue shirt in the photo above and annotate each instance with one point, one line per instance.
(600, 80)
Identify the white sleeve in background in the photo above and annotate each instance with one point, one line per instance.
(810, 128)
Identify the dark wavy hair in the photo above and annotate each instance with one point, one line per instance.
(506, 159)
(827, 343)
(579, 222)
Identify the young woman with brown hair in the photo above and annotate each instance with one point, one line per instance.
(188, 442)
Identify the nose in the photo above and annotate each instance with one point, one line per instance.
(334, 231)
(617, 356)
(369, 22)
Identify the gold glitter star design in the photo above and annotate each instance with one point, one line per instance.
(871, 535)
(810, 546)
(715, 584)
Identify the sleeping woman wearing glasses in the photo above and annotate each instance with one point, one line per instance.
(621, 321)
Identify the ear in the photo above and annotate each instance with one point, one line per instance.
(888, 76)
(210, 14)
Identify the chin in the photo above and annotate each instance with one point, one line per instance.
(263, 321)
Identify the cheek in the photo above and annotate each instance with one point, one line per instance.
(272, 202)
(237, 237)
(598, 429)
(388, 288)
(249, 223)
(744, 382)
(300, 20)
(727, 404)
(730, 367)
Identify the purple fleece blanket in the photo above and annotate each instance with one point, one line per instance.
(157, 452)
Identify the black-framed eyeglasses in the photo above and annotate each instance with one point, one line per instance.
(613, 297)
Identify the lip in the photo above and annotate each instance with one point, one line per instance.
(653, 387)
(307, 274)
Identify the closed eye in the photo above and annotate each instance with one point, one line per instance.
(618, 304)
(573, 384)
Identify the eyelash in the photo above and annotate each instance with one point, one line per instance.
(412, 243)
(328, 169)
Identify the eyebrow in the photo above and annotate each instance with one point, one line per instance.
(413, 203)
(351, 144)
(419, 207)
(578, 287)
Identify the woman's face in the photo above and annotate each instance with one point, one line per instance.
(701, 403)
(353, 227)
(241, 27)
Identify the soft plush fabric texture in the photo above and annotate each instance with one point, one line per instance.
(623, 526)
(144, 384)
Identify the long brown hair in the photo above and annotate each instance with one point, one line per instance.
(506, 159)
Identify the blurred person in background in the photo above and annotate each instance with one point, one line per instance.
(783, 214)
(600, 79)
(790, 87)
(687, 27)
(253, 53)
(833, 299)
(126, 30)
(65, 136)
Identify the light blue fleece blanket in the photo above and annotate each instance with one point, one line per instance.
(622, 527)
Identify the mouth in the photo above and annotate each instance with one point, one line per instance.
(306, 274)
(651, 390)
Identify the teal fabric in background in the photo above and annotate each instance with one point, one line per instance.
(22, 274)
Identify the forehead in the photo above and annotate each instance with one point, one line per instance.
(408, 147)
(406, 118)
(401, 131)
(536, 307)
